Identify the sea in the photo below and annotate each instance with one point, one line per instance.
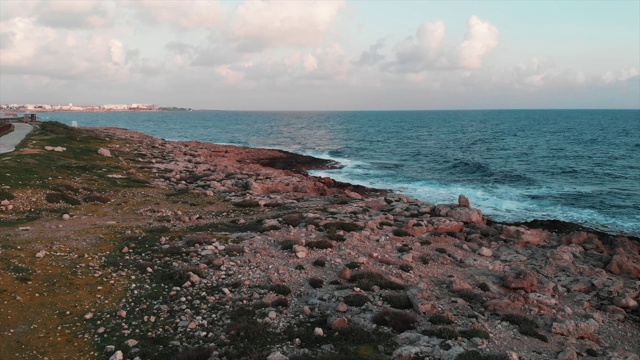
(580, 166)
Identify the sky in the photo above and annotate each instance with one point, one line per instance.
(322, 55)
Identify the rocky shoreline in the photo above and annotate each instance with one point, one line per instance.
(252, 258)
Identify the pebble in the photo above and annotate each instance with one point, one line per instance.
(66, 217)
(318, 332)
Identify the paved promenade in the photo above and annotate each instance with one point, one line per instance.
(9, 142)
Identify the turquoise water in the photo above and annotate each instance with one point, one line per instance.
(581, 166)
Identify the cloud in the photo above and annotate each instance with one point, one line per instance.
(184, 14)
(480, 39)
(371, 56)
(71, 14)
(620, 75)
(424, 52)
(258, 25)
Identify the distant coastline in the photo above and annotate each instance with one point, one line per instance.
(37, 108)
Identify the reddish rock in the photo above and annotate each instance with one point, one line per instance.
(463, 201)
(521, 280)
(466, 215)
(345, 274)
(625, 264)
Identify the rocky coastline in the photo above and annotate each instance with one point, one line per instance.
(224, 252)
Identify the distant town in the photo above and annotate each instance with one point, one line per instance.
(28, 108)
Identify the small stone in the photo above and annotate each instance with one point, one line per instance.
(342, 307)
(345, 274)
(122, 314)
(131, 343)
(195, 279)
(125, 250)
(272, 315)
(104, 152)
(276, 355)
(88, 316)
(625, 302)
(41, 254)
(485, 252)
(318, 332)
(66, 217)
(100, 330)
(568, 354)
(306, 310)
(339, 323)
(117, 356)
(408, 257)
(192, 325)
(109, 349)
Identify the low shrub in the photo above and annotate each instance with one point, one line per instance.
(320, 244)
(233, 250)
(474, 333)
(356, 300)
(5, 195)
(366, 280)
(441, 250)
(195, 354)
(353, 265)
(484, 287)
(316, 283)
(398, 301)
(319, 263)
(444, 332)
(280, 289)
(439, 319)
(406, 267)
(401, 232)
(280, 302)
(286, 245)
(399, 321)
(55, 198)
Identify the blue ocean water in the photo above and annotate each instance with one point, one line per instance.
(581, 166)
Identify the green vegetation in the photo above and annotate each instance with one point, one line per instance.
(356, 300)
(439, 319)
(366, 280)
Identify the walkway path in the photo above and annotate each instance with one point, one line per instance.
(9, 142)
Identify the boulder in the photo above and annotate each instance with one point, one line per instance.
(521, 280)
(625, 264)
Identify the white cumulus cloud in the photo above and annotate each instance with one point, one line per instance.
(480, 39)
(258, 25)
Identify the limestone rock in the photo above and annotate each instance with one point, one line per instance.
(463, 201)
(521, 279)
(104, 152)
(625, 264)
(576, 329)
